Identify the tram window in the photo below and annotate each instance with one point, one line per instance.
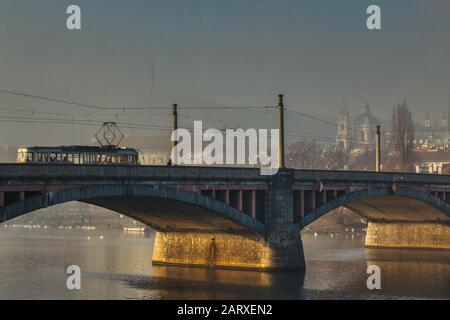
(52, 157)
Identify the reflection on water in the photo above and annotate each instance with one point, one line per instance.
(118, 266)
(202, 283)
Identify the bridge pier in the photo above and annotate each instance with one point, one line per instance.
(408, 235)
(280, 250)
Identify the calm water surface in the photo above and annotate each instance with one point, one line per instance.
(33, 264)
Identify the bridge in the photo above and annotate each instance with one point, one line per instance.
(235, 217)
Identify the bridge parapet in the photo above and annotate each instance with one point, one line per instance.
(18, 171)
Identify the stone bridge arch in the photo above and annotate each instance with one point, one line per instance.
(382, 204)
(164, 209)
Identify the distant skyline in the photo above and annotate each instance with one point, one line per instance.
(234, 52)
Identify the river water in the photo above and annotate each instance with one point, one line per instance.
(118, 266)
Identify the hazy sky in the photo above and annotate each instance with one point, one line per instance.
(233, 52)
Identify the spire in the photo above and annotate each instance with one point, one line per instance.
(344, 110)
(366, 107)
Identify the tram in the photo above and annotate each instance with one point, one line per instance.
(79, 155)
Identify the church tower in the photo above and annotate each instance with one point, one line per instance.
(344, 130)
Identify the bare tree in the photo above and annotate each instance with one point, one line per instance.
(304, 154)
(364, 160)
(335, 157)
(403, 131)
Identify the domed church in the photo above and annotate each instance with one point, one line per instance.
(361, 134)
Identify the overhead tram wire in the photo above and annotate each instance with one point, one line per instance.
(33, 112)
(137, 126)
(31, 96)
(124, 107)
(156, 107)
(94, 125)
(79, 121)
(328, 122)
(312, 117)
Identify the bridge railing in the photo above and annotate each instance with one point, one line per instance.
(129, 172)
(370, 177)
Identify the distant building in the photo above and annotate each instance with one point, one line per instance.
(434, 135)
(436, 162)
(359, 135)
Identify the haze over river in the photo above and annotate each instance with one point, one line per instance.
(118, 266)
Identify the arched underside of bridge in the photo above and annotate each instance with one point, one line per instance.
(163, 209)
(193, 229)
(385, 205)
(402, 218)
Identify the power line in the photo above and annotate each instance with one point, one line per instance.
(312, 117)
(135, 125)
(33, 112)
(31, 96)
(124, 108)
